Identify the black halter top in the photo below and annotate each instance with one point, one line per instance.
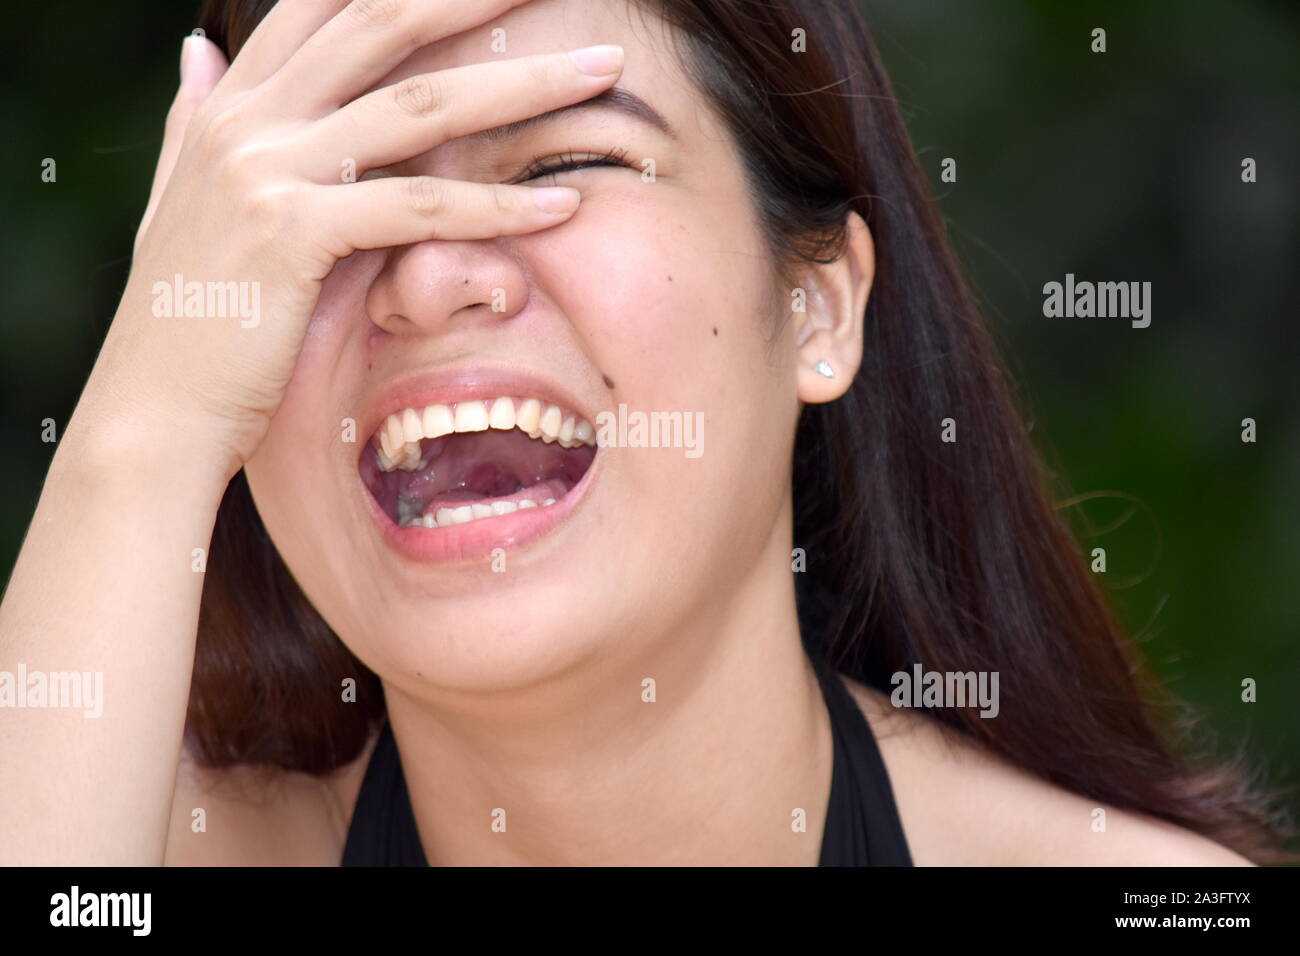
(862, 823)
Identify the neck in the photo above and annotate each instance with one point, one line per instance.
(584, 769)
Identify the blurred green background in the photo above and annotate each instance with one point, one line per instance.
(1122, 166)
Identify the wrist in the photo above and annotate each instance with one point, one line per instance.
(151, 443)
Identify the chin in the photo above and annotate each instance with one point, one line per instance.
(507, 635)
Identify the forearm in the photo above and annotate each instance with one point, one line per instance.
(106, 585)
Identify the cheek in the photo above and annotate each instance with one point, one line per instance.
(646, 286)
(665, 291)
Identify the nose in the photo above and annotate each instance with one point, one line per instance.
(426, 286)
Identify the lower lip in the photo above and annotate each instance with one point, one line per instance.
(475, 541)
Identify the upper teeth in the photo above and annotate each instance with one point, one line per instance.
(400, 435)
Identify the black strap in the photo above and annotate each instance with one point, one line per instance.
(383, 830)
(862, 823)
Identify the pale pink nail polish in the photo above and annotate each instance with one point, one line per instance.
(598, 60)
(556, 199)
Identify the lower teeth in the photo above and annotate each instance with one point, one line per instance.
(447, 517)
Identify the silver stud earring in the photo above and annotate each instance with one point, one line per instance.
(823, 368)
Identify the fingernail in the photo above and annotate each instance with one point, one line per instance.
(556, 198)
(598, 60)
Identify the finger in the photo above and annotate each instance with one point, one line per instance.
(400, 210)
(276, 37)
(413, 116)
(365, 42)
(202, 65)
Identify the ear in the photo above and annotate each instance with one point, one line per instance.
(828, 333)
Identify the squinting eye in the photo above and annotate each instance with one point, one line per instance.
(567, 162)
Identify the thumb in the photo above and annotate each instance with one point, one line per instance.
(202, 66)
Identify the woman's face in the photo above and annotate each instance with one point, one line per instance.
(658, 295)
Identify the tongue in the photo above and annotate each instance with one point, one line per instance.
(490, 465)
(490, 478)
(538, 494)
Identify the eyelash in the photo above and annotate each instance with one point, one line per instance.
(567, 163)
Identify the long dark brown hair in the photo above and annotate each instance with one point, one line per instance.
(951, 555)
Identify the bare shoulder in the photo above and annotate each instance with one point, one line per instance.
(259, 816)
(961, 805)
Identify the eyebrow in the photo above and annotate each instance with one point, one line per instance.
(615, 98)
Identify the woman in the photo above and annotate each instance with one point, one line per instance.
(443, 600)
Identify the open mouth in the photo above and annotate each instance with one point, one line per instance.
(446, 465)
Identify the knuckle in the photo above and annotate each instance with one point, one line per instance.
(419, 96)
(247, 157)
(427, 195)
(272, 205)
(390, 15)
(375, 13)
(224, 128)
(242, 171)
(540, 72)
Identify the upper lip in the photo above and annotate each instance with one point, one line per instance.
(452, 385)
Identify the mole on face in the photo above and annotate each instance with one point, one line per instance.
(715, 330)
(609, 382)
